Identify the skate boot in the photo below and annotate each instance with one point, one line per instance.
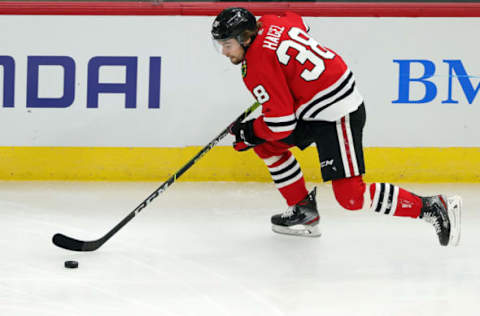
(444, 214)
(300, 220)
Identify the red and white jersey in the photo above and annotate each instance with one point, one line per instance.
(294, 78)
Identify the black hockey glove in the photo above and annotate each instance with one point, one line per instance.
(244, 136)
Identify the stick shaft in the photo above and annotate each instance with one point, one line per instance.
(180, 172)
(73, 244)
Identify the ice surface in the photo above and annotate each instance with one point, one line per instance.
(207, 249)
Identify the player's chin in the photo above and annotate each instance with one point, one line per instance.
(235, 61)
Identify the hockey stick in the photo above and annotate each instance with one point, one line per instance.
(69, 243)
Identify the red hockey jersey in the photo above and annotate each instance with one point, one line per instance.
(294, 78)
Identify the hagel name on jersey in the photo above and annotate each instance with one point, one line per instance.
(273, 37)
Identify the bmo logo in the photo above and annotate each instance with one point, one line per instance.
(423, 74)
(65, 85)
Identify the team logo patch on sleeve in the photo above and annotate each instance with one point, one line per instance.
(244, 68)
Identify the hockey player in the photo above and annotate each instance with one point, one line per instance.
(308, 95)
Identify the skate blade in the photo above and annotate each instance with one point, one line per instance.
(298, 230)
(454, 214)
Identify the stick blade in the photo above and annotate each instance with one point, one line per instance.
(69, 243)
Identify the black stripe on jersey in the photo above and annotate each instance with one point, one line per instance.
(327, 96)
(276, 124)
(293, 175)
(283, 170)
(390, 199)
(380, 197)
(343, 96)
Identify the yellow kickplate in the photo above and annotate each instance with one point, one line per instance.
(222, 163)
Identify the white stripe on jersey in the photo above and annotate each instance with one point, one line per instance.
(326, 100)
(323, 92)
(347, 105)
(324, 104)
(330, 104)
(279, 119)
(281, 123)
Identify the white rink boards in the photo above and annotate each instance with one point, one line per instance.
(403, 60)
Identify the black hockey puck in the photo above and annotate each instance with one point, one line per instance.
(71, 264)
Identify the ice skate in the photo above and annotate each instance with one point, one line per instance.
(301, 219)
(444, 214)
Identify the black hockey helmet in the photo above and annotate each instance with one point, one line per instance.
(232, 22)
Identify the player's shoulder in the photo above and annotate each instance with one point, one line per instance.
(288, 19)
(262, 53)
(273, 30)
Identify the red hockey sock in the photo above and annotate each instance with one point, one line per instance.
(392, 200)
(288, 178)
(294, 192)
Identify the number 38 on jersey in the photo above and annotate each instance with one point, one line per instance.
(308, 49)
(302, 49)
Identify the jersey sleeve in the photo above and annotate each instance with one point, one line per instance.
(270, 88)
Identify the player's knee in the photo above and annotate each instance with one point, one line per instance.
(349, 192)
(271, 149)
(265, 151)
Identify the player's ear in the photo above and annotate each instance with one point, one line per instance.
(248, 41)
